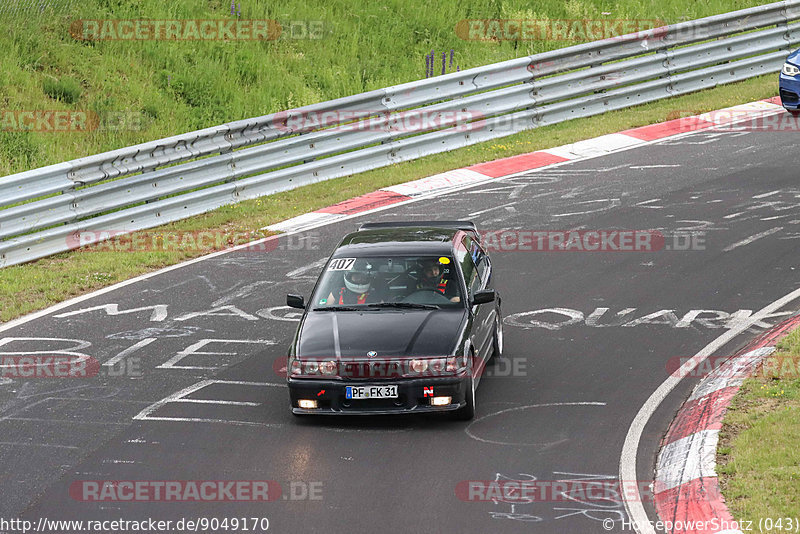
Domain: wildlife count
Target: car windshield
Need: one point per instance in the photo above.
(389, 282)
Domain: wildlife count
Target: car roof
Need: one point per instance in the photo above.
(400, 240)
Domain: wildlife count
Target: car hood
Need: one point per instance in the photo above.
(391, 334)
(794, 57)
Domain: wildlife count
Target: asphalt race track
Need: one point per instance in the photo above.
(557, 406)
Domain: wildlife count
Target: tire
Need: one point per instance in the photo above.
(467, 413)
(794, 112)
(497, 342)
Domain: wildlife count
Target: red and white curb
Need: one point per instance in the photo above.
(686, 489)
(482, 172)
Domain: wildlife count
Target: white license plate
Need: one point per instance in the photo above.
(370, 392)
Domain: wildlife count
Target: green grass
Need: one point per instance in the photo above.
(33, 286)
(179, 86)
(66, 90)
(759, 456)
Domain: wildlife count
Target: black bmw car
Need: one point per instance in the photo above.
(402, 320)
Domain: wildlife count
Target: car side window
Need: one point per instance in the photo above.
(482, 263)
(468, 268)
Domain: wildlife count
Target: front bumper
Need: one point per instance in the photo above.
(789, 90)
(414, 395)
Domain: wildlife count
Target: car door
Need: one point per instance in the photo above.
(475, 268)
(486, 311)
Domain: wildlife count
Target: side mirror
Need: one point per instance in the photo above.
(483, 296)
(295, 301)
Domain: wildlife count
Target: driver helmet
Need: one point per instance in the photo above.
(359, 278)
(427, 266)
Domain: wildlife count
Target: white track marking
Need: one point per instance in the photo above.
(732, 373)
(127, 352)
(203, 420)
(146, 414)
(443, 181)
(246, 383)
(312, 219)
(159, 311)
(732, 215)
(595, 146)
(476, 213)
(688, 458)
(24, 395)
(192, 350)
(240, 293)
(179, 397)
(653, 166)
(306, 268)
(627, 462)
(224, 402)
(526, 407)
(764, 195)
(612, 203)
(71, 422)
(748, 240)
(32, 444)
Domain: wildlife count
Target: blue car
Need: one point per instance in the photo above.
(789, 83)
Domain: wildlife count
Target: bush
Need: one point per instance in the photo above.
(65, 90)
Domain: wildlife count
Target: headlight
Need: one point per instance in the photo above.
(452, 365)
(419, 366)
(313, 368)
(297, 368)
(434, 366)
(328, 368)
(790, 70)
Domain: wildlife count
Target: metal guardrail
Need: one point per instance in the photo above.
(153, 183)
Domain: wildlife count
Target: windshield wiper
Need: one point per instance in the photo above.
(337, 308)
(405, 305)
